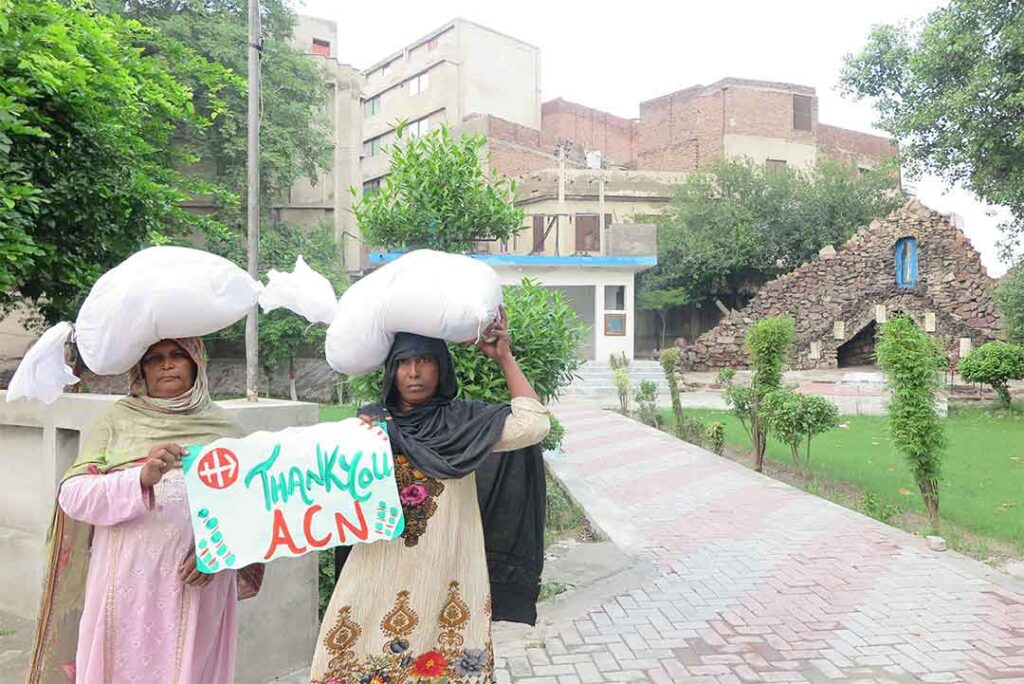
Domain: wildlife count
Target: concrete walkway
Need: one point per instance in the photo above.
(750, 580)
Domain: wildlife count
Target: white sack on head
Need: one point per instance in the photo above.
(159, 293)
(447, 296)
(43, 374)
(303, 291)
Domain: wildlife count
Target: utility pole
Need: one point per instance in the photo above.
(252, 340)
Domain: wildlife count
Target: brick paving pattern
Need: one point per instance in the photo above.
(758, 582)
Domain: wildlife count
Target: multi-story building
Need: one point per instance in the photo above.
(590, 182)
(452, 72)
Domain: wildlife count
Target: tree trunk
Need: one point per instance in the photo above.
(291, 379)
(930, 494)
(664, 325)
(759, 444)
(795, 450)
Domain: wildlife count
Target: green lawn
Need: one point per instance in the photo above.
(982, 479)
(332, 412)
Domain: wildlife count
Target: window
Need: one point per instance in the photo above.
(371, 148)
(906, 262)
(774, 165)
(538, 233)
(588, 233)
(321, 47)
(802, 112)
(371, 186)
(419, 84)
(418, 129)
(371, 107)
(615, 297)
(385, 70)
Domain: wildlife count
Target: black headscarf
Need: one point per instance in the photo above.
(448, 438)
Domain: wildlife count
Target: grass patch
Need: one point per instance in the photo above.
(565, 519)
(334, 412)
(549, 590)
(981, 479)
(7, 631)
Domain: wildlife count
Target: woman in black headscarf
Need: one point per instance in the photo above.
(471, 482)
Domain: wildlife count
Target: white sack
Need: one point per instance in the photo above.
(448, 296)
(159, 293)
(303, 291)
(43, 374)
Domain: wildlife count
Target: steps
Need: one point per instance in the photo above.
(595, 379)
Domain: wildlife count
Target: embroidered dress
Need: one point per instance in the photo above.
(419, 607)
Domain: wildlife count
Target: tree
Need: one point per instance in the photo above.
(437, 195)
(670, 366)
(795, 419)
(995, 364)
(295, 140)
(283, 334)
(89, 171)
(730, 229)
(911, 362)
(768, 342)
(661, 302)
(1009, 296)
(950, 89)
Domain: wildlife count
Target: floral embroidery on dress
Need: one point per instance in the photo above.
(417, 493)
(449, 663)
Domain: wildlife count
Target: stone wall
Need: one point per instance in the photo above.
(835, 297)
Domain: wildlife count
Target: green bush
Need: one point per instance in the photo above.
(995, 364)
(553, 441)
(646, 399)
(620, 378)
(714, 435)
(670, 365)
(768, 342)
(618, 361)
(545, 334)
(796, 419)
(912, 361)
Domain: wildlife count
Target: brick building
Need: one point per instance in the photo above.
(915, 262)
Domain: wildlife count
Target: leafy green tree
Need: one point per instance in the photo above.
(670, 366)
(295, 140)
(661, 301)
(995, 364)
(950, 89)
(912, 361)
(1009, 296)
(735, 226)
(283, 335)
(795, 419)
(437, 195)
(768, 342)
(89, 163)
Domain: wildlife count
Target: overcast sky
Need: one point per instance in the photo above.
(614, 58)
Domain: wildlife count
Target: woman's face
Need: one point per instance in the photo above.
(168, 370)
(416, 379)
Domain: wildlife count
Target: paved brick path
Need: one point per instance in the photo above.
(755, 581)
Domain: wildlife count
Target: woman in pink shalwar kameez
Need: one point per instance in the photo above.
(124, 602)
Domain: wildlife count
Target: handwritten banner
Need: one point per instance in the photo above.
(279, 494)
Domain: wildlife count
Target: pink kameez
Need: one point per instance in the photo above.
(140, 623)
